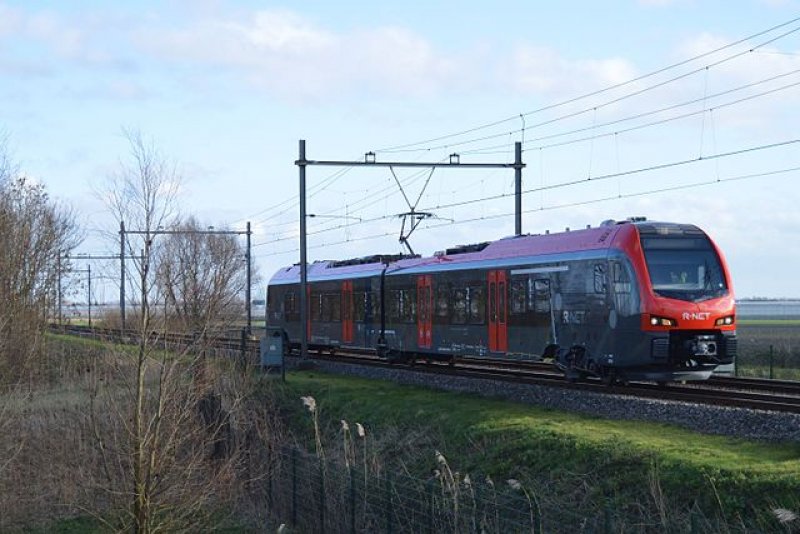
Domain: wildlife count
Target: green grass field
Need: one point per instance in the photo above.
(733, 478)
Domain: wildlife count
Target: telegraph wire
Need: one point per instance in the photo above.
(607, 103)
(630, 172)
(606, 89)
(560, 185)
(327, 182)
(652, 112)
(662, 121)
(556, 207)
(622, 196)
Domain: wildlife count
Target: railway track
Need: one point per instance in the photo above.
(742, 392)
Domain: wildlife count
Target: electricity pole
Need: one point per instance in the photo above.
(88, 271)
(122, 275)
(84, 256)
(370, 161)
(210, 231)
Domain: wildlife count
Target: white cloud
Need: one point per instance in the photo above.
(285, 31)
(543, 70)
(10, 20)
(657, 3)
(283, 52)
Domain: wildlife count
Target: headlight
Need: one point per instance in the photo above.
(725, 320)
(662, 321)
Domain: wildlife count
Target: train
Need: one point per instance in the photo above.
(626, 300)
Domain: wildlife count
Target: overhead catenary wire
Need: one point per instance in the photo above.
(556, 207)
(529, 142)
(609, 88)
(416, 176)
(487, 150)
(594, 108)
(570, 183)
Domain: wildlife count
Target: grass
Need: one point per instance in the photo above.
(575, 461)
(76, 525)
(561, 450)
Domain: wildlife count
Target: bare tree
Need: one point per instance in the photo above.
(164, 449)
(203, 277)
(34, 233)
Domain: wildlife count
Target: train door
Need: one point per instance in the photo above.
(498, 312)
(424, 311)
(309, 312)
(347, 312)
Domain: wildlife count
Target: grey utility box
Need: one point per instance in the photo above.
(272, 349)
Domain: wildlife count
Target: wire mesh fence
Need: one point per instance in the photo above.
(318, 495)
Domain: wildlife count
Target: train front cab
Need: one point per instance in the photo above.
(687, 304)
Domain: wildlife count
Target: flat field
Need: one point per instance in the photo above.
(762, 341)
(576, 465)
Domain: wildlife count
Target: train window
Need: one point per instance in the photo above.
(541, 289)
(290, 306)
(459, 298)
(330, 308)
(275, 307)
(622, 282)
(359, 305)
(409, 305)
(326, 308)
(519, 290)
(442, 308)
(393, 305)
(531, 294)
(477, 304)
(374, 305)
(315, 306)
(336, 306)
(600, 278)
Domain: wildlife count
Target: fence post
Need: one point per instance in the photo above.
(477, 510)
(321, 496)
(243, 349)
(771, 353)
(352, 500)
(388, 497)
(294, 486)
(432, 506)
(694, 525)
(270, 460)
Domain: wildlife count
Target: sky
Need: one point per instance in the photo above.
(676, 110)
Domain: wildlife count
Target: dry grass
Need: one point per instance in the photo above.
(65, 441)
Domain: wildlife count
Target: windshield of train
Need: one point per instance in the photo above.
(684, 268)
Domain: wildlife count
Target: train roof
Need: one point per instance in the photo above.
(515, 250)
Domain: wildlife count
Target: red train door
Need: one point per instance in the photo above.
(424, 308)
(347, 312)
(309, 313)
(498, 308)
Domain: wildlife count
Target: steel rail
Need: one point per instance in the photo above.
(742, 392)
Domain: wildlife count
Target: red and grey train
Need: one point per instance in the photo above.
(630, 300)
